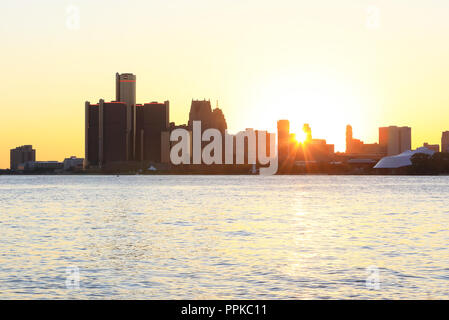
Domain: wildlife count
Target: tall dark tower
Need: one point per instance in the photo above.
(125, 91)
(445, 141)
(348, 139)
(283, 139)
(152, 121)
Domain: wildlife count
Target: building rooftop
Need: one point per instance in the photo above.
(401, 160)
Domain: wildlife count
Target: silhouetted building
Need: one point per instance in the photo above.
(358, 147)
(395, 139)
(125, 91)
(173, 126)
(91, 135)
(283, 127)
(114, 144)
(123, 131)
(445, 141)
(106, 133)
(316, 150)
(165, 147)
(349, 139)
(313, 150)
(293, 145)
(152, 122)
(433, 147)
(251, 136)
(266, 135)
(405, 138)
(21, 155)
(202, 111)
(244, 137)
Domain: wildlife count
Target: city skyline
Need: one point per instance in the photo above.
(392, 139)
(330, 71)
(126, 135)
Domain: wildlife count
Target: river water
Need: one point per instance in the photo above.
(224, 237)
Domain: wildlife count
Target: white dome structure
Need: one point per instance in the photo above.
(401, 160)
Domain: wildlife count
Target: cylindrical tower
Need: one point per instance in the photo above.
(126, 92)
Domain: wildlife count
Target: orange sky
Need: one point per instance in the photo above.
(327, 63)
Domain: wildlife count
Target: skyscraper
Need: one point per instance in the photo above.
(122, 131)
(125, 91)
(21, 155)
(91, 135)
(383, 137)
(348, 138)
(395, 139)
(106, 138)
(152, 121)
(283, 127)
(445, 141)
(201, 110)
(405, 136)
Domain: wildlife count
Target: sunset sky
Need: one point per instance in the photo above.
(323, 62)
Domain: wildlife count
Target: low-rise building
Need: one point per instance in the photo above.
(433, 147)
(401, 160)
(73, 163)
(41, 166)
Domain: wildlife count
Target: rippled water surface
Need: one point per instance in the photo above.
(224, 237)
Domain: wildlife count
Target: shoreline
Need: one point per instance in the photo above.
(216, 174)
